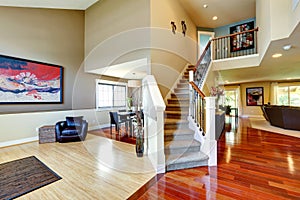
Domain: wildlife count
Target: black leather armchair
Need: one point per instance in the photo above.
(71, 130)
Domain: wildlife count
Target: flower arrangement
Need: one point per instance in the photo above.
(216, 91)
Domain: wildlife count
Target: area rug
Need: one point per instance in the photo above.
(22, 176)
(262, 124)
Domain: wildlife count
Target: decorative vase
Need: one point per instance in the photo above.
(139, 147)
(139, 133)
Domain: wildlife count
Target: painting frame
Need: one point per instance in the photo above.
(24, 81)
(255, 96)
(240, 42)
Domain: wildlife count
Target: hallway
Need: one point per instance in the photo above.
(252, 164)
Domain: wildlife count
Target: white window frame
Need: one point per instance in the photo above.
(288, 85)
(100, 82)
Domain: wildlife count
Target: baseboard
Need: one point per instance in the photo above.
(20, 141)
(91, 128)
(36, 138)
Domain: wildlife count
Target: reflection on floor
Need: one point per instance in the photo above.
(252, 164)
(122, 136)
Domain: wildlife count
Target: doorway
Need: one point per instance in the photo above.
(203, 39)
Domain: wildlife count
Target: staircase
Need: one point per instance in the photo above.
(181, 150)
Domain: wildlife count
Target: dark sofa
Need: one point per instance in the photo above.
(287, 117)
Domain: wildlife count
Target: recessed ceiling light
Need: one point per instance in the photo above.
(214, 18)
(276, 55)
(287, 47)
(205, 6)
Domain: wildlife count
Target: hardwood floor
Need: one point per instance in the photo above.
(97, 168)
(252, 164)
(122, 136)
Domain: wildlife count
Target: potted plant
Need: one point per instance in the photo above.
(228, 99)
(227, 109)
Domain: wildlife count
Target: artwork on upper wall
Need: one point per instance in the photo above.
(255, 96)
(242, 41)
(26, 81)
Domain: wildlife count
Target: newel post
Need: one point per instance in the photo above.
(211, 144)
(210, 117)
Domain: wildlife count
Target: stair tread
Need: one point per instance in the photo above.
(185, 157)
(182, 143)
(172, 121)
(176, 112)
(179, 98)
(179, 131)
(185, 92)
(177, 105)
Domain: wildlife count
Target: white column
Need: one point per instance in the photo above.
(191, 91)
(210, 117)
(210, 144)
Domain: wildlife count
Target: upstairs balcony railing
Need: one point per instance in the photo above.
(234, 45)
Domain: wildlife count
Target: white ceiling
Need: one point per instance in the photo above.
(58, 4)
(227, 11)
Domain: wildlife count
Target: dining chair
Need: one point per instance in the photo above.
(117, 120)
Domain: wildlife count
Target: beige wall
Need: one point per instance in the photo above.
(263, 14)
(108, 21)
(45, 35)
(164, 73)
(280, 23)
(165, 11)
(253, 110)
(170, 52)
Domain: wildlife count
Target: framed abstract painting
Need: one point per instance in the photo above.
(241, 39)
(27, 81)
(255, 96)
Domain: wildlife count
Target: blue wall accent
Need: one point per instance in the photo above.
(224, 30)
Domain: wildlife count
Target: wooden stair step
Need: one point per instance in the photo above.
(177, 107)
(176, 114)
(176, 100)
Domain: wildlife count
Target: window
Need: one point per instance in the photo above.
(288, 95)
(110, 94)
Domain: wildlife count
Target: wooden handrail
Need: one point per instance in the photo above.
(197, 89)
(233, 34)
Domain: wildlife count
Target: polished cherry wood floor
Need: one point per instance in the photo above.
(252, 164)
(122, 136)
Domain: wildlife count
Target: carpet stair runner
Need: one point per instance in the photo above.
(181, 150)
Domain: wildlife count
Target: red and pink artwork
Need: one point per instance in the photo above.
(25, 81)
